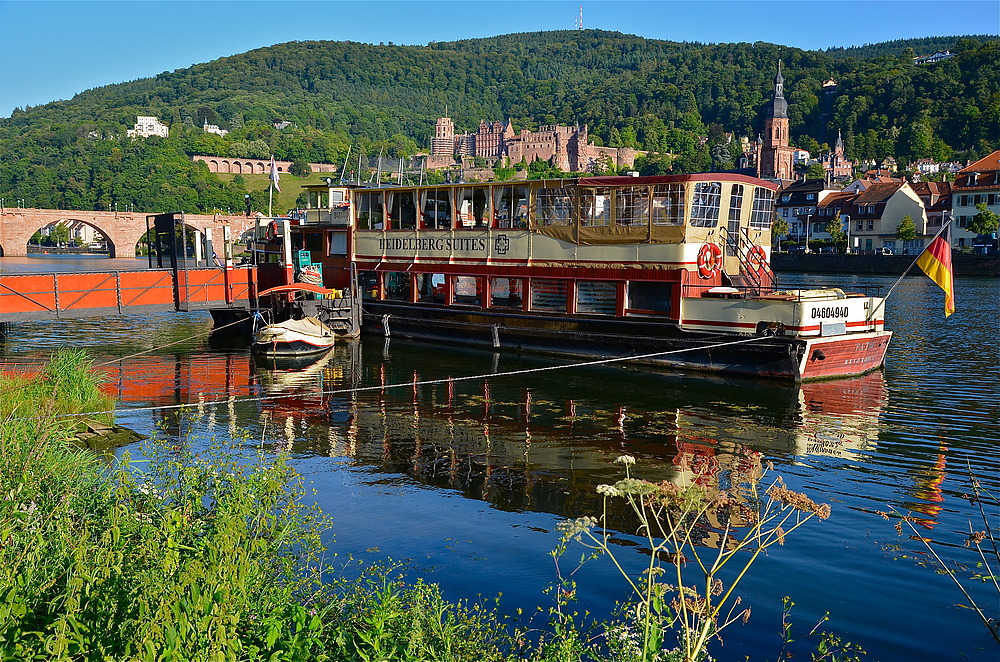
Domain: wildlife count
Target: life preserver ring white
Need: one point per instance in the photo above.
(709, 261)
(757, 259)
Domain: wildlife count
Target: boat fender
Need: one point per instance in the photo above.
(756, 259)
(709, 261)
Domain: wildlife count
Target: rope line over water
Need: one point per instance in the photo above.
(410, 384)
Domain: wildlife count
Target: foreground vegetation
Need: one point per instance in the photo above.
(187, 556)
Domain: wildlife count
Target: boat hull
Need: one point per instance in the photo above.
(643, 341)
(293, 338)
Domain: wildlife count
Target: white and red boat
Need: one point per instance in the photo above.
(671, 271)
(296, 335)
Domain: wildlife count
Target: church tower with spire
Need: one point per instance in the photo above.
(776, 157)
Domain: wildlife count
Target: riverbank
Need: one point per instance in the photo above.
(876, 265)
(206, 556)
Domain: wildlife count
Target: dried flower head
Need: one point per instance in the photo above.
(778, 492)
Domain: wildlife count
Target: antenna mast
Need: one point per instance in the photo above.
(579, 21)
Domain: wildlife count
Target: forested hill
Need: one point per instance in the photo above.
(655, 95)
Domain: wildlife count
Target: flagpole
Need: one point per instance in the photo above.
(880, 304)
(270, 199)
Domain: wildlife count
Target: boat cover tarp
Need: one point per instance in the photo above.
(297, 287)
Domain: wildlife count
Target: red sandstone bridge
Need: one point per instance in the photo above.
(184, 285)
(122, 230)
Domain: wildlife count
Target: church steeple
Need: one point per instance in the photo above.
(778, 107)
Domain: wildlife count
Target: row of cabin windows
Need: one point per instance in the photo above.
(509, 206)
(520, 294)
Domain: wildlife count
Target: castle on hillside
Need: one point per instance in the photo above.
(567, 147)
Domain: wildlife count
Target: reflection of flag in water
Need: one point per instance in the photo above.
(274, 175)
(936, 263)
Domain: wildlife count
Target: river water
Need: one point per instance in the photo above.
(465, 479)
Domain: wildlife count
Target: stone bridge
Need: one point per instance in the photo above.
(122, 230)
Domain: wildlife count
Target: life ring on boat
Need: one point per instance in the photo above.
(709, 261)
(757, 259)
(272, 230)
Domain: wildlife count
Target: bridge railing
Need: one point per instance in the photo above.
(57, 295)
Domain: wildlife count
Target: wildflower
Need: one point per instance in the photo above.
(608, 490)
(627, 460)
(574, 527)
(634, 486)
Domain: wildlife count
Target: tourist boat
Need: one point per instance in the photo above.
(667, 271)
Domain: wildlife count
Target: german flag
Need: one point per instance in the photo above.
(936, 263)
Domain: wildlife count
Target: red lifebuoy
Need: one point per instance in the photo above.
(709, 261)
(272, 230)
(757, 259)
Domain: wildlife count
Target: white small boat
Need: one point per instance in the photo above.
(293, 337)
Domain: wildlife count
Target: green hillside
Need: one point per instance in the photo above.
(654, 95)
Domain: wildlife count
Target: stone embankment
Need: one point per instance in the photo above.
(874, 265)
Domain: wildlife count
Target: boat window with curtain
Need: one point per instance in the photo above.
(431, 288)
(510, 206)
(468, 291)
(370, 215)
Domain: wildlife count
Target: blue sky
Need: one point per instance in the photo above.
(53, 49)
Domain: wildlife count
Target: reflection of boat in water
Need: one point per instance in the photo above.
(543, 441)
(293, 372)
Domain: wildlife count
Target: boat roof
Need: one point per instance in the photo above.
(296, 287)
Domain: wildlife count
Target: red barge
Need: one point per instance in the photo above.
(667, 271)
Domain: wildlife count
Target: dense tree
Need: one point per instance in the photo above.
(665, 97)
(907, 229)
(985, 221)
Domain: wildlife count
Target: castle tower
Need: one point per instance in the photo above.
(443, 143)
(776, 156)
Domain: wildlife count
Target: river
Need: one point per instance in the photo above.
(465, 479)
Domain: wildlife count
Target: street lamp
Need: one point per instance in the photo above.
(808, 230)
(846, 218)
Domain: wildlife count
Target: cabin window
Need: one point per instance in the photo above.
(370, 213)
(596, 297)
(555, 205)
(402, 206)
(646, 298)
(337, 242)
(431, 288)
(668, 204)
(507, 293)
(548, 295)
(397, 286)
(510, 206)
(595, 207)
(368, 281)
(763, 208)
(472, 207)
(468, 291)
(705, 204)
(735, 202)
(435, 204)
(337, 197)
(632, 206)
(315, 200)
